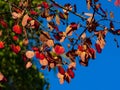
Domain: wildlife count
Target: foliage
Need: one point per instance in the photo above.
(53, 46)
(14, 74)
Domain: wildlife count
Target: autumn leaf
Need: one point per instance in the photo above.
(17, 29)
(111, 15)
(2, 44)
(30, 54)
(28, 65)
(61, 70)
(24, 20)
(50, 43)
(40, 56)
(3, 23)
(98, 48)
(1, 76)
(43, 62)
(57, 18)
(117, 3)
(59, 49)
(70, 73)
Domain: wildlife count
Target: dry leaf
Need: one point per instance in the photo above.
(24, 20)
(44, 36)
(83, 36)
(111, 15)
(88, 4)
(68, 30)
(57, 18)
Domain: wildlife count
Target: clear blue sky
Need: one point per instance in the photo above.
(103, 73)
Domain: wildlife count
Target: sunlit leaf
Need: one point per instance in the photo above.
(30, 54)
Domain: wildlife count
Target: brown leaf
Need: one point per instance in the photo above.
(57, 18)
(88, 4)
(50, 17)
(111, 15)
(44, 36)
(101, 42)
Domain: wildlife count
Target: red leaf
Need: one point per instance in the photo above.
(3, 23)
(80, 48)
(15, 48)
(92, 52)
(45, 4)
(17, 29)
(32, 12)
(40, 56)
(98, 48)
(61, 70)
(15, 38)
(117, 3)
(35, 48)
(74, 26)
(1, 45)
(70, 73)
(59, 49)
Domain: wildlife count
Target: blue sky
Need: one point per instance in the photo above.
(102, 73)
